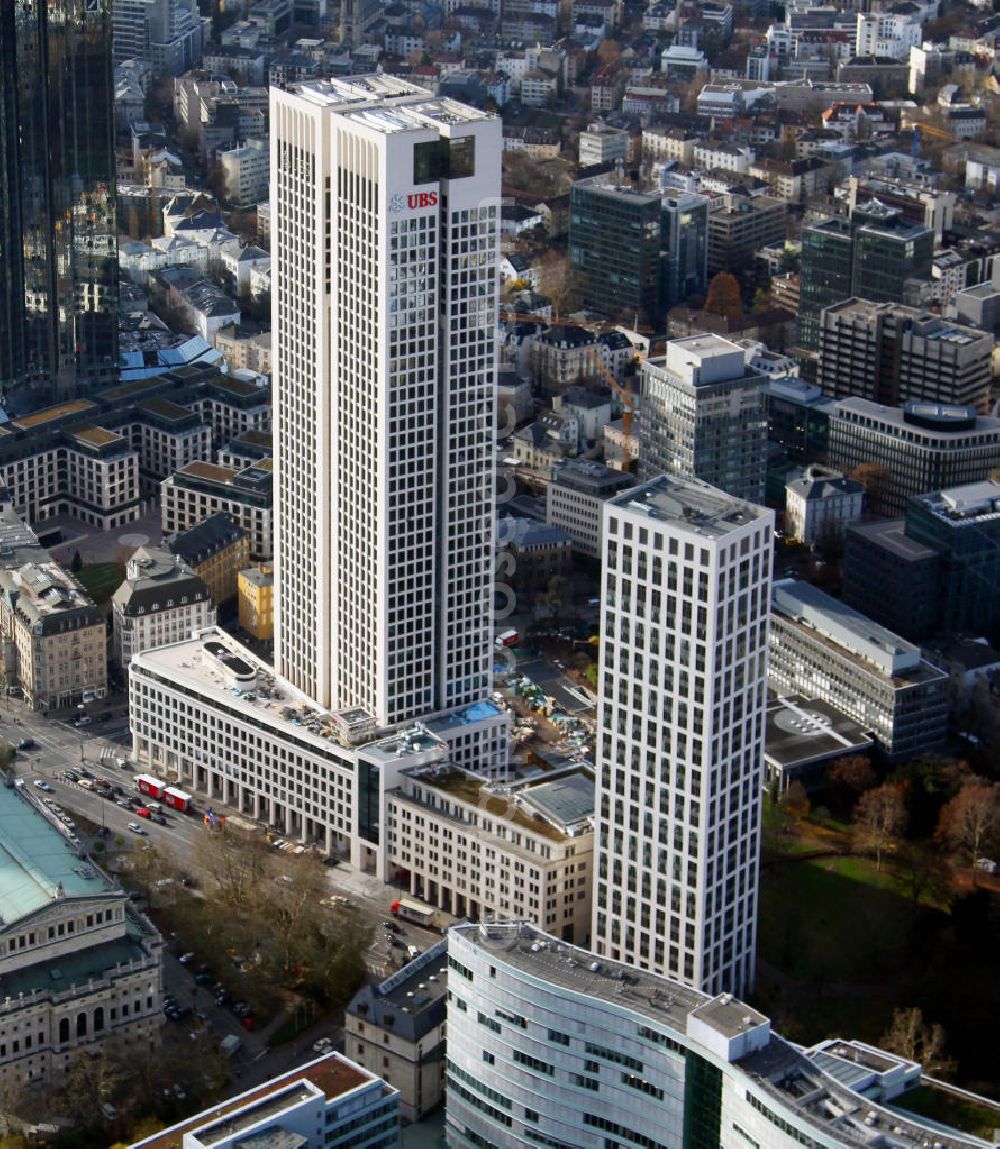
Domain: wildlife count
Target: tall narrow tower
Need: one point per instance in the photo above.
(58, 237)
(686, 582)
(385, 244)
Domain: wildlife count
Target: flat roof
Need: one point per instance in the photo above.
(691, 504)
(801, 730)
(211, 471)
(566, 800)
(892, 536)
(38, 863)
(51, 414)
(332, 1074)
(96, 436)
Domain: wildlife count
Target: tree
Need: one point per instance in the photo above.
(77, 564)
(910, 1037)
(920, 874)
(880, 817)
(724, 296)
(795, 801)
(761, 300)
(877, 482)
(970, 822)
(847, 779)
(609, 53)
(236, 863)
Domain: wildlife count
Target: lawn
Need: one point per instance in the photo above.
(100, 580)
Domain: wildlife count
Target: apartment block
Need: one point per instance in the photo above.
(216, 550)
(79, 963)
(739, 226)
(823, 649)
(495, 851)
(680, 742)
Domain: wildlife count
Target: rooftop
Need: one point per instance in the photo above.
(892, 536)
(333, 1075)
(801, 730)
(964, 506)
(386, 104)
(38, 863)
(54, 414)
(690, 504)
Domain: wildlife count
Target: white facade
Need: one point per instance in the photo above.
(886, 34)
(551, 1045)
(681, 716)
(819, 505)
(246, 171)
(385, 240)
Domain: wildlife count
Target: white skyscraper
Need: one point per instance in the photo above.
(686, 587)
(385, 243)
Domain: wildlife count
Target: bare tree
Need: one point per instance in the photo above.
(848, 778)
(909, 1036)
(970, 822)
(880, 817)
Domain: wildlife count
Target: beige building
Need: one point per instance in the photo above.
(669, 144)
(245, 352)
(77, 962)
(819, 505)
(216, 550)
(53, 639)
(577, 493)
(481, 850)
(397, 1030)
(200, 490)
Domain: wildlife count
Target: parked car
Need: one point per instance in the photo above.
(71, 776)
(185, 958)
(26, 744)
(160, 820)
(42, 784)
(136, 828)
(143, 812)
(322, 1046)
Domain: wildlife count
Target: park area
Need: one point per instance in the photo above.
(891, 941)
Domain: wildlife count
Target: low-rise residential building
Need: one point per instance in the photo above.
(823, 649)
(397, 1028)
(52, 638)
(819, 505)
(577, 492)
(483, 851)
(199, 490)
(256, 591)
(216, 550)
(331, 1101)
(79, 963)
(161, 600)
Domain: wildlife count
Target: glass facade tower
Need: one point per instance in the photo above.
(58, 245)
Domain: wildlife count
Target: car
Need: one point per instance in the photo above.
(248, 1023)
(42, 784)
(204, 978)
(188, 882)
(241, 1009)
(160, 820)
(322, 1045)
(103, 832)
(136, 828)
(83, 720)
(143, 812)
(223, 998)
(184, 959)
(125, 803)
(71, 776)
(26, 744)
(391, 926)
(413, 951)
(84, 772)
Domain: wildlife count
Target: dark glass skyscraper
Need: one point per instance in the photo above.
(58, 241)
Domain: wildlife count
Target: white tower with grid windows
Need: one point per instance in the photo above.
(683, 682)
(385, 245)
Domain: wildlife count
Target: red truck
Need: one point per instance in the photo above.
(147, 784)
(176, 799)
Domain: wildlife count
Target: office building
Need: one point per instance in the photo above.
(684, 246)
(58, 235)
(875, 256)
(161, 600)
(384, 375)
(487, 851)
(552, 1045)
(892, 354)
(819, 504)
(703, 417)
(328, 1103)
(577, 493)
(823, 649)
(739, 227)
(937, 571)
(79, 963)
(397, 1030)
(216, 550)
(170, 34)
(200, 490)
(680, 736)
(890, 251)
(825, 278)
(614, 241)
(52, 637)
(804, 737)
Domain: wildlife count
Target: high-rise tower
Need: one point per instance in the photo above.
(686, 582)
(385, 243)
(58, 238)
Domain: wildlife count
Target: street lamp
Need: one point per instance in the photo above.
(81, 709)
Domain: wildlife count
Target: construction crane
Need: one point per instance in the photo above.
(921, 129)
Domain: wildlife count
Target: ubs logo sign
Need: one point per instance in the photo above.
(399, 203)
